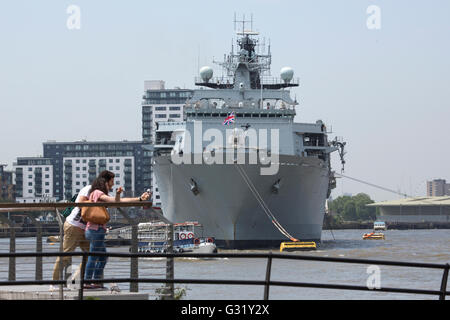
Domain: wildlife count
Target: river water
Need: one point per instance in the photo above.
(429, 246)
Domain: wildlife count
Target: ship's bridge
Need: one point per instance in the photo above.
(240, 113)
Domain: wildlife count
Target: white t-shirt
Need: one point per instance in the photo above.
(75, 216)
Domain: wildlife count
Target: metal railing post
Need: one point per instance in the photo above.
(38, 271)
(444, 282)
(170, 264)
(61, 249)
(82, 272)
(12, 249)
(268, 271)
(134, 263)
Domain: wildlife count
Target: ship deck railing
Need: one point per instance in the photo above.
(168, 278)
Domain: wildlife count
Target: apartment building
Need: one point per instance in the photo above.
(159, 105)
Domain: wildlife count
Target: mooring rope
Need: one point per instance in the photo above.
(263, 205)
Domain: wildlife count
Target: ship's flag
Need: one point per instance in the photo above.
(230, 119)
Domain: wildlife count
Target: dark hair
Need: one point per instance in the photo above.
(99, 184)
(107, 175)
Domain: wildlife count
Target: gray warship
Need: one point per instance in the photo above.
(238, 163)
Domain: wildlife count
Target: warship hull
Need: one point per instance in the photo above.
(230, 212)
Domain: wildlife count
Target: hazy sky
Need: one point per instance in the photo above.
(385, 91)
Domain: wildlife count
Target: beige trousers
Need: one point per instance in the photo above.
(73, 238)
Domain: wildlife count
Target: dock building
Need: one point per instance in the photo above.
(413, 210)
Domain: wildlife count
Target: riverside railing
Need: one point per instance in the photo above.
(8, 215)
(267, 283)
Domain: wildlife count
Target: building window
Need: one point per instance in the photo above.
(160, 108)
(174, 115)
(174, 108)
(160, 116)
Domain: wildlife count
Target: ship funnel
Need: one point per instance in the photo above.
(206, 73)
(287, 74)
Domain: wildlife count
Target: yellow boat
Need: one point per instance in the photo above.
(297, 245)
(373, 236)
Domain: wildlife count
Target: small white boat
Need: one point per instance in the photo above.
(379, 225)
(152, 238)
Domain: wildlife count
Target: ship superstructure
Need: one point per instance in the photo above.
(238, 163)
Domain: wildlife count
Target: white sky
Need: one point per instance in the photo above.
(386, 91)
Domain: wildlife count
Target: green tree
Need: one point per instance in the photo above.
(353, 208)
(350, 213)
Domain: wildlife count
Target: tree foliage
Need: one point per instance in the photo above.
(353, 208)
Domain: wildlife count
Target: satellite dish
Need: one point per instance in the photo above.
(206, 73)
(286, 74)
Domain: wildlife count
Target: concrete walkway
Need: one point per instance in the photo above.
(42, 292)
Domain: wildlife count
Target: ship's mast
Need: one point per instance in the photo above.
(256, 62)
(247, 67)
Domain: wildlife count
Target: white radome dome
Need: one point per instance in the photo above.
(206, 73)
(286, 74)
